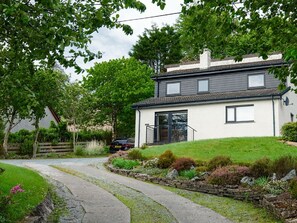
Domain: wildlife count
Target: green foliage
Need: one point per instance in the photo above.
(284, 165)
(228, 175)
(293, 188)
(231, 29)
(124, 163)
(118, 154)
(166, 159)
(261, 168)
(189, 174)
(261, 182)
(276, 187)
(114, 86)
(79, 151)
(183, 163)
(219, 161)
(135, 154)
(26, 147)
(289, 131)
(158, 47)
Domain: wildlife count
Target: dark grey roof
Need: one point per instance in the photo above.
(225, 68)
(210, 97)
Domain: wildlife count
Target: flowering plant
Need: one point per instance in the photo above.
(7, 199)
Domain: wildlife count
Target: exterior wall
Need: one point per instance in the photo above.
(237, 81)
(210, 120)
(286, 111)
(28, 124)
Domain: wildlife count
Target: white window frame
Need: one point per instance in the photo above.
(173, 93)
(257, 86)
(235, 109)
(199, 91)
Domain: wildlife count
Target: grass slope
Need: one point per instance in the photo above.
(239, 149)
(23, 203)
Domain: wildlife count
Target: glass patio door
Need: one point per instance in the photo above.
(171, 126)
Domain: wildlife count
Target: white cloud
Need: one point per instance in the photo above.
(115, 43)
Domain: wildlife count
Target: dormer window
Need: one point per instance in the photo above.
(256, 81)
(203, 86)
(173, 88)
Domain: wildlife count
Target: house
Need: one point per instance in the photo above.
(45, 122)
(215, 99)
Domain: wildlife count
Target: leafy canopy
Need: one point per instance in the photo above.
(157, 47)
(230, 28)
(115, 85)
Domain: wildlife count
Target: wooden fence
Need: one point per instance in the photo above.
(48, 147)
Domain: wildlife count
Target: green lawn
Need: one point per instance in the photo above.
(22, 203)
(239, 149)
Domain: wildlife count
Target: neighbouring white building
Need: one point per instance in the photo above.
(215, 99)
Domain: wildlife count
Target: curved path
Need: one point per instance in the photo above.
(97, 202)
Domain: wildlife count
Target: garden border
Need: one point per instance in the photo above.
(269, 202)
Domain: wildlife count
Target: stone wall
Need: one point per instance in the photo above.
(269, 202)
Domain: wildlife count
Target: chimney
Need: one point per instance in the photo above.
(205, 59)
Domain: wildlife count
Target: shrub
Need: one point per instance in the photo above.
(261, 168)
(124, 163)
(276, 187)
(289, 131)
(201, 169)
(261, 182)
(152, 163)
(293, 188)
(284, 165)
(219, 161)
(228, 175)
(183, 164)
(26, 148)
(79, 151)
(189, 174)
(166, 159)
(120, 153)
(135, 155)
(144, 146)
(94, 148)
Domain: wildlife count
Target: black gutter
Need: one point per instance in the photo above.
(209, 72)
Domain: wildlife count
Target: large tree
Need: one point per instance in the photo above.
(236, 28)
(157, 47)
(115, 86)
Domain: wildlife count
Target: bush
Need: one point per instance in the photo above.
(201, 169)
(118, 154)
(219, 161)
(94, 148)
(261, 168)
(261, 182)
(289, 131)
(79, 151)
(26, 148)
(293, 188)
(189, 174)
(166, 159)
(152, 163)
(228, 175)
(124, 163)
(284, 165)
(276, 187)
(183, 164)
(135, 155)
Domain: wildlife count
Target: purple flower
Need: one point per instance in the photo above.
(16, 189)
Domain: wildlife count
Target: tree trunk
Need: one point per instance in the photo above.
(7, 132)
(114, 125)
(35, 145)
(74, 135)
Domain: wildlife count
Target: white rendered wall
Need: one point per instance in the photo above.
(210, 120)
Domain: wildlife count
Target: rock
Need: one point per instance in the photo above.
(172, 174)
(289, 176)
(196, 179)
(248, 180)
(273, 178)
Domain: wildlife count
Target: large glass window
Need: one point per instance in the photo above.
(203, 85)
(173, 88)
(240, 113)
(256, 81)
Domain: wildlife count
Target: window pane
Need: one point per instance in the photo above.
(173, 88)
(256, 80)
(245, 113)
(202, 85)
(230, 114)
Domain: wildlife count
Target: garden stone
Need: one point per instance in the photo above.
(273, 178)
(172, 174)
(196, 179)
(291, 175)
(248, 180)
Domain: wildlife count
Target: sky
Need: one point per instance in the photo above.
(115, 43)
